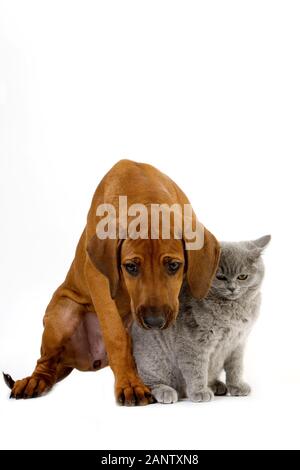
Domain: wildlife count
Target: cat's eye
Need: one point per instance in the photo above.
(132, 268)
(242, 277)
(221, 277)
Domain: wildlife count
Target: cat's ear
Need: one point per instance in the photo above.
(262, 242)
(256, 247)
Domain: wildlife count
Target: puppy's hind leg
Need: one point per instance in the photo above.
(62, 318)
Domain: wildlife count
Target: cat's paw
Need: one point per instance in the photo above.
(164, 394)
(219, 388)
(239, 390)
(204, 395)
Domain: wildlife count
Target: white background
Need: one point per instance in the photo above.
(208, 92)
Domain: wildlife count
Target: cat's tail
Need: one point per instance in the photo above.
(8, 380)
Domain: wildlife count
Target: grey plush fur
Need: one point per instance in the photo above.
(186, 360)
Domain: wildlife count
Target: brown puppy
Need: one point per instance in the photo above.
(112, 280)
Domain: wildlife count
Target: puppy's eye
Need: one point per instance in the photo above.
(242, 277)
(221, 277)
(173, 266)
(132, 268)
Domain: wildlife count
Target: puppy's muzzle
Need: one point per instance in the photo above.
(153, 317)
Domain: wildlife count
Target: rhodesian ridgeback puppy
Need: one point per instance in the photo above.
(114, 281)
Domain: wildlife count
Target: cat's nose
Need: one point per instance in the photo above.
(232, 289)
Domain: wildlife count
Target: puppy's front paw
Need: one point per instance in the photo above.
(204, 395)
(239, 390)
(133, 394)
(164, 394)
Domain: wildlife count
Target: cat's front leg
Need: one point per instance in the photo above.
(195, 372)
(234, 374)
(164, 393)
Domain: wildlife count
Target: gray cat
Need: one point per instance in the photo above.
(186, 360)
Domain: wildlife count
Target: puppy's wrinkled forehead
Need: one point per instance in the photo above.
(153, 249)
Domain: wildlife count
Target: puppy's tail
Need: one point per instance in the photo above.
(8, 380)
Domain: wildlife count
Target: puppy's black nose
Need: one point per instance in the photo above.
(154, 321)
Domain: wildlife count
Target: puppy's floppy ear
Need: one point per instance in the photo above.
(105, 256)
(202, 265)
